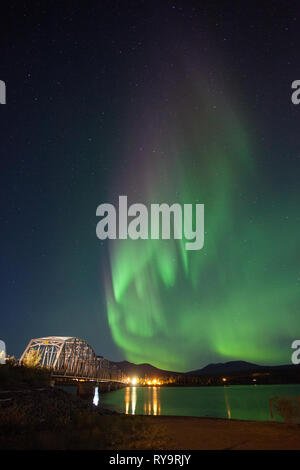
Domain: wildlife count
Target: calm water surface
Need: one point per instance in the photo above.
(233, 402)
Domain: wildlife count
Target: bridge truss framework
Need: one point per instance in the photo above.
(72, 357)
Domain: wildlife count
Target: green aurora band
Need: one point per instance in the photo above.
(236, 299)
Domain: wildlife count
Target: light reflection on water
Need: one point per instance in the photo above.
(227, 403)
(251, 402)
(96, 397)
(151, 403)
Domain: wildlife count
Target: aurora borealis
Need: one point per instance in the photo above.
(166, 305)
(180, 102)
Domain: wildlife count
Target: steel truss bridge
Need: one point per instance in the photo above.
(74, 359)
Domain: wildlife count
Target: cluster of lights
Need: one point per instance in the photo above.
(136, 381)
(153, 382)
(132, 381)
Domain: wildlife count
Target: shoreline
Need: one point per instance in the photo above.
(199, 433)
(49, 419)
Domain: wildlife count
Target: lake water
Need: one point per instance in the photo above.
(233, 402)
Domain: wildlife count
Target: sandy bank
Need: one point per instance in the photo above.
(212, 433)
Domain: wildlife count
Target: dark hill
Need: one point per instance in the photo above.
(143, 370)
(218, 369)
(226, 367)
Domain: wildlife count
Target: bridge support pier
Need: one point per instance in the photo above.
(86, 390)
(110, 386)
(104, 387)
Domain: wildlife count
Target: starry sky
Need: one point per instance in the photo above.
(163, 101)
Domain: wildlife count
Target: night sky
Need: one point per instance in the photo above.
(163, 101)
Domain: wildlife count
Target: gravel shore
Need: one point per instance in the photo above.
(42, 405)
